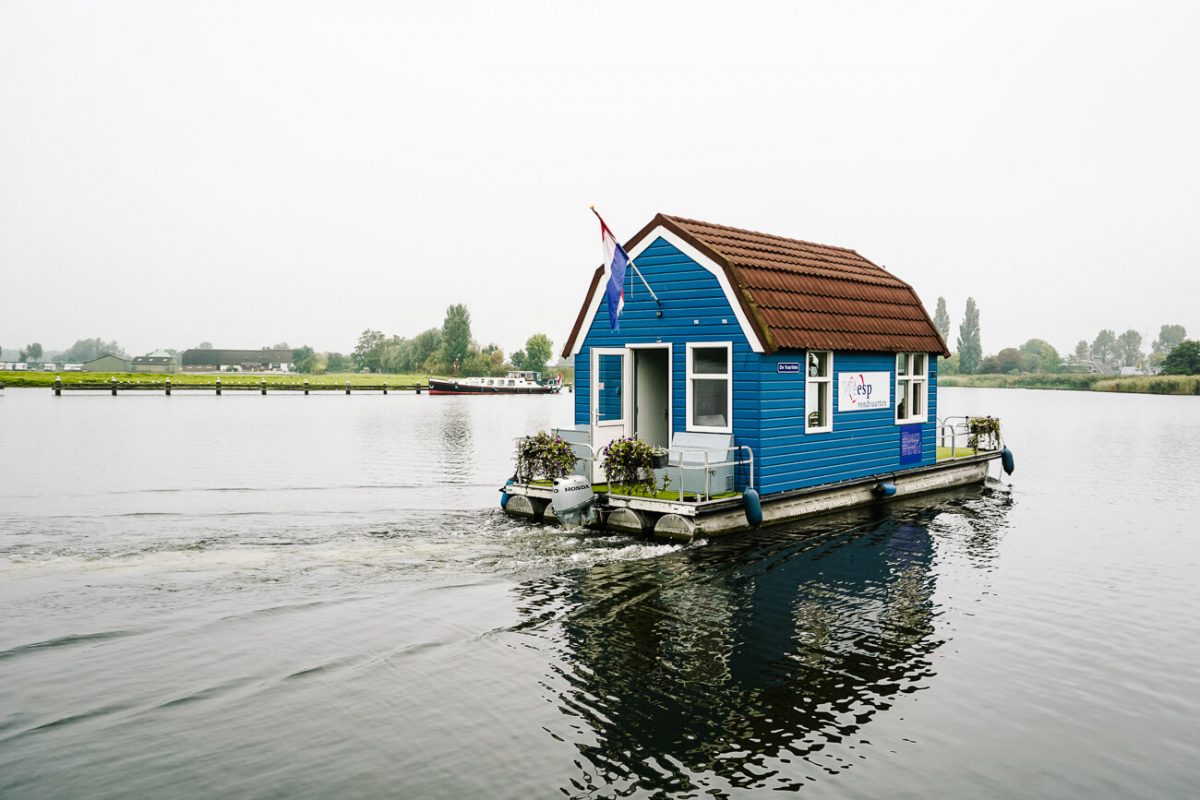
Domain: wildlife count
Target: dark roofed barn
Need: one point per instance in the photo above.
(264, 360)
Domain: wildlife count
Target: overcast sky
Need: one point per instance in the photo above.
(253, 172)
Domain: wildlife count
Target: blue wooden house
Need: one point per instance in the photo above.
(812, 366)
(821, 362)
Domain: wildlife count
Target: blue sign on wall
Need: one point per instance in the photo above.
(910, 443)
(788, 366)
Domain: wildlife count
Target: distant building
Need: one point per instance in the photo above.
(237, 360)
(158, 361)
(106, 363)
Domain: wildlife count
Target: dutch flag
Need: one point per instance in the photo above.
(616, 259)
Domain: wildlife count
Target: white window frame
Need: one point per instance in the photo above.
(825, 385)
(903, 403)
(728, 378)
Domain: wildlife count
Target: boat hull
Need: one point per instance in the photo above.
(672, 519)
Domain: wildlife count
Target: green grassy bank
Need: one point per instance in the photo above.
(1140, 384)
(46, 379)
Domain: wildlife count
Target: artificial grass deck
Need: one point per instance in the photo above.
(943, 453)
(661, 494)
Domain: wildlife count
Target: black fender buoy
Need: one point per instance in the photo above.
(753, 507)
(1006, 461)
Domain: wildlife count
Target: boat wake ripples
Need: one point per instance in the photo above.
(314, 599)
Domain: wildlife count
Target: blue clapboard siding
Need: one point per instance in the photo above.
(862, 443)
(768, 406)
(929, 443)
(695, 310)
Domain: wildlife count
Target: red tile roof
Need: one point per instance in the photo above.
(801, 295)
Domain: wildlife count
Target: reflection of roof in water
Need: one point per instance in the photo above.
(719, 657)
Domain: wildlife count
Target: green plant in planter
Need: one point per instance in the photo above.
(659, 456)
(985, 433)
(543, 456)
(628, 463)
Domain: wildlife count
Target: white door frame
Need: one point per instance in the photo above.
(669, 347)
(601, 433)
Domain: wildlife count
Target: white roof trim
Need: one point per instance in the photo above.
(662, 232)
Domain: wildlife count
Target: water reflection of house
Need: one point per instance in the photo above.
(264, 360)
(717, 660)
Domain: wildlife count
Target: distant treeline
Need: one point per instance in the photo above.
(81, 352)
(446, 350)
(1107, 352)
(1141, 384)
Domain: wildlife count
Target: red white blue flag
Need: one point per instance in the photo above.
(616, 259)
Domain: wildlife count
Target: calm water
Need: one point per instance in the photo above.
(317, 597)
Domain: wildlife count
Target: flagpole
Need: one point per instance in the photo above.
(636, 271)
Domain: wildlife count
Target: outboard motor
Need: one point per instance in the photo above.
(574, 502)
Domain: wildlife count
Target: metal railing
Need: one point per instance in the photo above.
(954, 429)
(708, 466)
(592, 459)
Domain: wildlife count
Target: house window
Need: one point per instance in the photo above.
(710, 388)
(818, 392)
(610, 370)
(912, 382)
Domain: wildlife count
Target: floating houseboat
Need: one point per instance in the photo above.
(782, 377)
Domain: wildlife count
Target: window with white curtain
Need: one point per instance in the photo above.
(818, 392)
(710, 388)
(912, 387)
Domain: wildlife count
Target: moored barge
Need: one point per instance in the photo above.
(516, 382)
